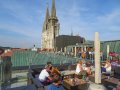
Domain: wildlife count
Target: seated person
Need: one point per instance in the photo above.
(80, 70)
(107, 67)
(55, 71)
(56, 85)
(44, 76)
(88, 69)
(114, 63)
(79, 67)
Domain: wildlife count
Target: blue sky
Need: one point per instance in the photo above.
(21, 21)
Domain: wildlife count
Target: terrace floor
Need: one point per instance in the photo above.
(18, 82)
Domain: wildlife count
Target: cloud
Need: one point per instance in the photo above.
(23, 12)
(8, 41)
(106, 24)
(83, 17)
(110, 21)
(110, 18)
(70, 17)
(27, 31)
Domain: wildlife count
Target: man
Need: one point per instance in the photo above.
(44, 76)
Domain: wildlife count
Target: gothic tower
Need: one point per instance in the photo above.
(50, 28)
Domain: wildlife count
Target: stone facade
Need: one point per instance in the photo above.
(50, 29)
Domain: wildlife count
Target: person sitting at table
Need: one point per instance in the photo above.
(54, 71)
(80, 71)
(44, 76)
(88, 69)
(107, 67)
(56, 85)
(114, 63)
(79, 67)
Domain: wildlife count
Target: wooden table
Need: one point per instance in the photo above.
(79, 84)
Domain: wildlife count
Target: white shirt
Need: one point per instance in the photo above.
(90, 53)
(108, 69)
(43, 75)
(78, 69)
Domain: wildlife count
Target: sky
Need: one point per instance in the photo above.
(21, 21)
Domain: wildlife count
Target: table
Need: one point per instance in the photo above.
(67, 72)
(75, 84)
(105, 81)
(111, 81)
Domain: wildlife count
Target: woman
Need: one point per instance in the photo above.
(88, 68)
(79, 67)
(107, 67)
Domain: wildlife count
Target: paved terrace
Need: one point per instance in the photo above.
(18, 82)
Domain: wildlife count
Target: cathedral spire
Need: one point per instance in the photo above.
(47, 14)
(53, 11)
(46, 18)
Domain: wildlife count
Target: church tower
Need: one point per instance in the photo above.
(50, 28)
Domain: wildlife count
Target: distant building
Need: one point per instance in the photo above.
(50, 29)
(63, 41)
(34, 48)
(50, 33)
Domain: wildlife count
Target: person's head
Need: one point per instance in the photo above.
(83, 61)
(118, 86)
(79, 62)
(49, 63)
(88, 64)
(107, 61)
(48, 67)
(57, 79)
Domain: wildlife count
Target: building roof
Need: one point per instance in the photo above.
(7, 53)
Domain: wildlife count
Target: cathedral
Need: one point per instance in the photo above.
(50, 29)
